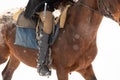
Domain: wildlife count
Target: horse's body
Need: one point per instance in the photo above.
(74, 49)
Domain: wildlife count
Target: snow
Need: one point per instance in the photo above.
(11, 4)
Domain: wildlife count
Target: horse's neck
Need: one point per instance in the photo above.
(83, 18)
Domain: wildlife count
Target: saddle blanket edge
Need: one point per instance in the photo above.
(26, 37)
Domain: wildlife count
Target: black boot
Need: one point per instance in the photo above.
(42, 67)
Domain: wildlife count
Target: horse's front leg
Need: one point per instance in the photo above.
(11, 66)
(62, 73)
(88, 73)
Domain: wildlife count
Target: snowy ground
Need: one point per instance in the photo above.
(107, 62)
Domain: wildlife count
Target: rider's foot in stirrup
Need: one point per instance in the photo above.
(43, 70)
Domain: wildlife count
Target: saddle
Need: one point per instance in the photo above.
(26, 28)
(29, 23)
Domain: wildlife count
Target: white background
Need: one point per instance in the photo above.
(107, 62)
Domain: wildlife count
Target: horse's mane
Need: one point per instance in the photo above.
(108, 7)
(111, 5)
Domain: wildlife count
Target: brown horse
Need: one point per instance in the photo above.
(75, 47)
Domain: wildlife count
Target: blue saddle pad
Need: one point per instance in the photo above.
(26, 37)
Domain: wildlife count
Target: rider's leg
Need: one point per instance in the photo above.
(43, 69)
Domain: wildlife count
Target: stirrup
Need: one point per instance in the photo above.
(43, 70)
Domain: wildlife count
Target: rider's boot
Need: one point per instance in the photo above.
(42, 66)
